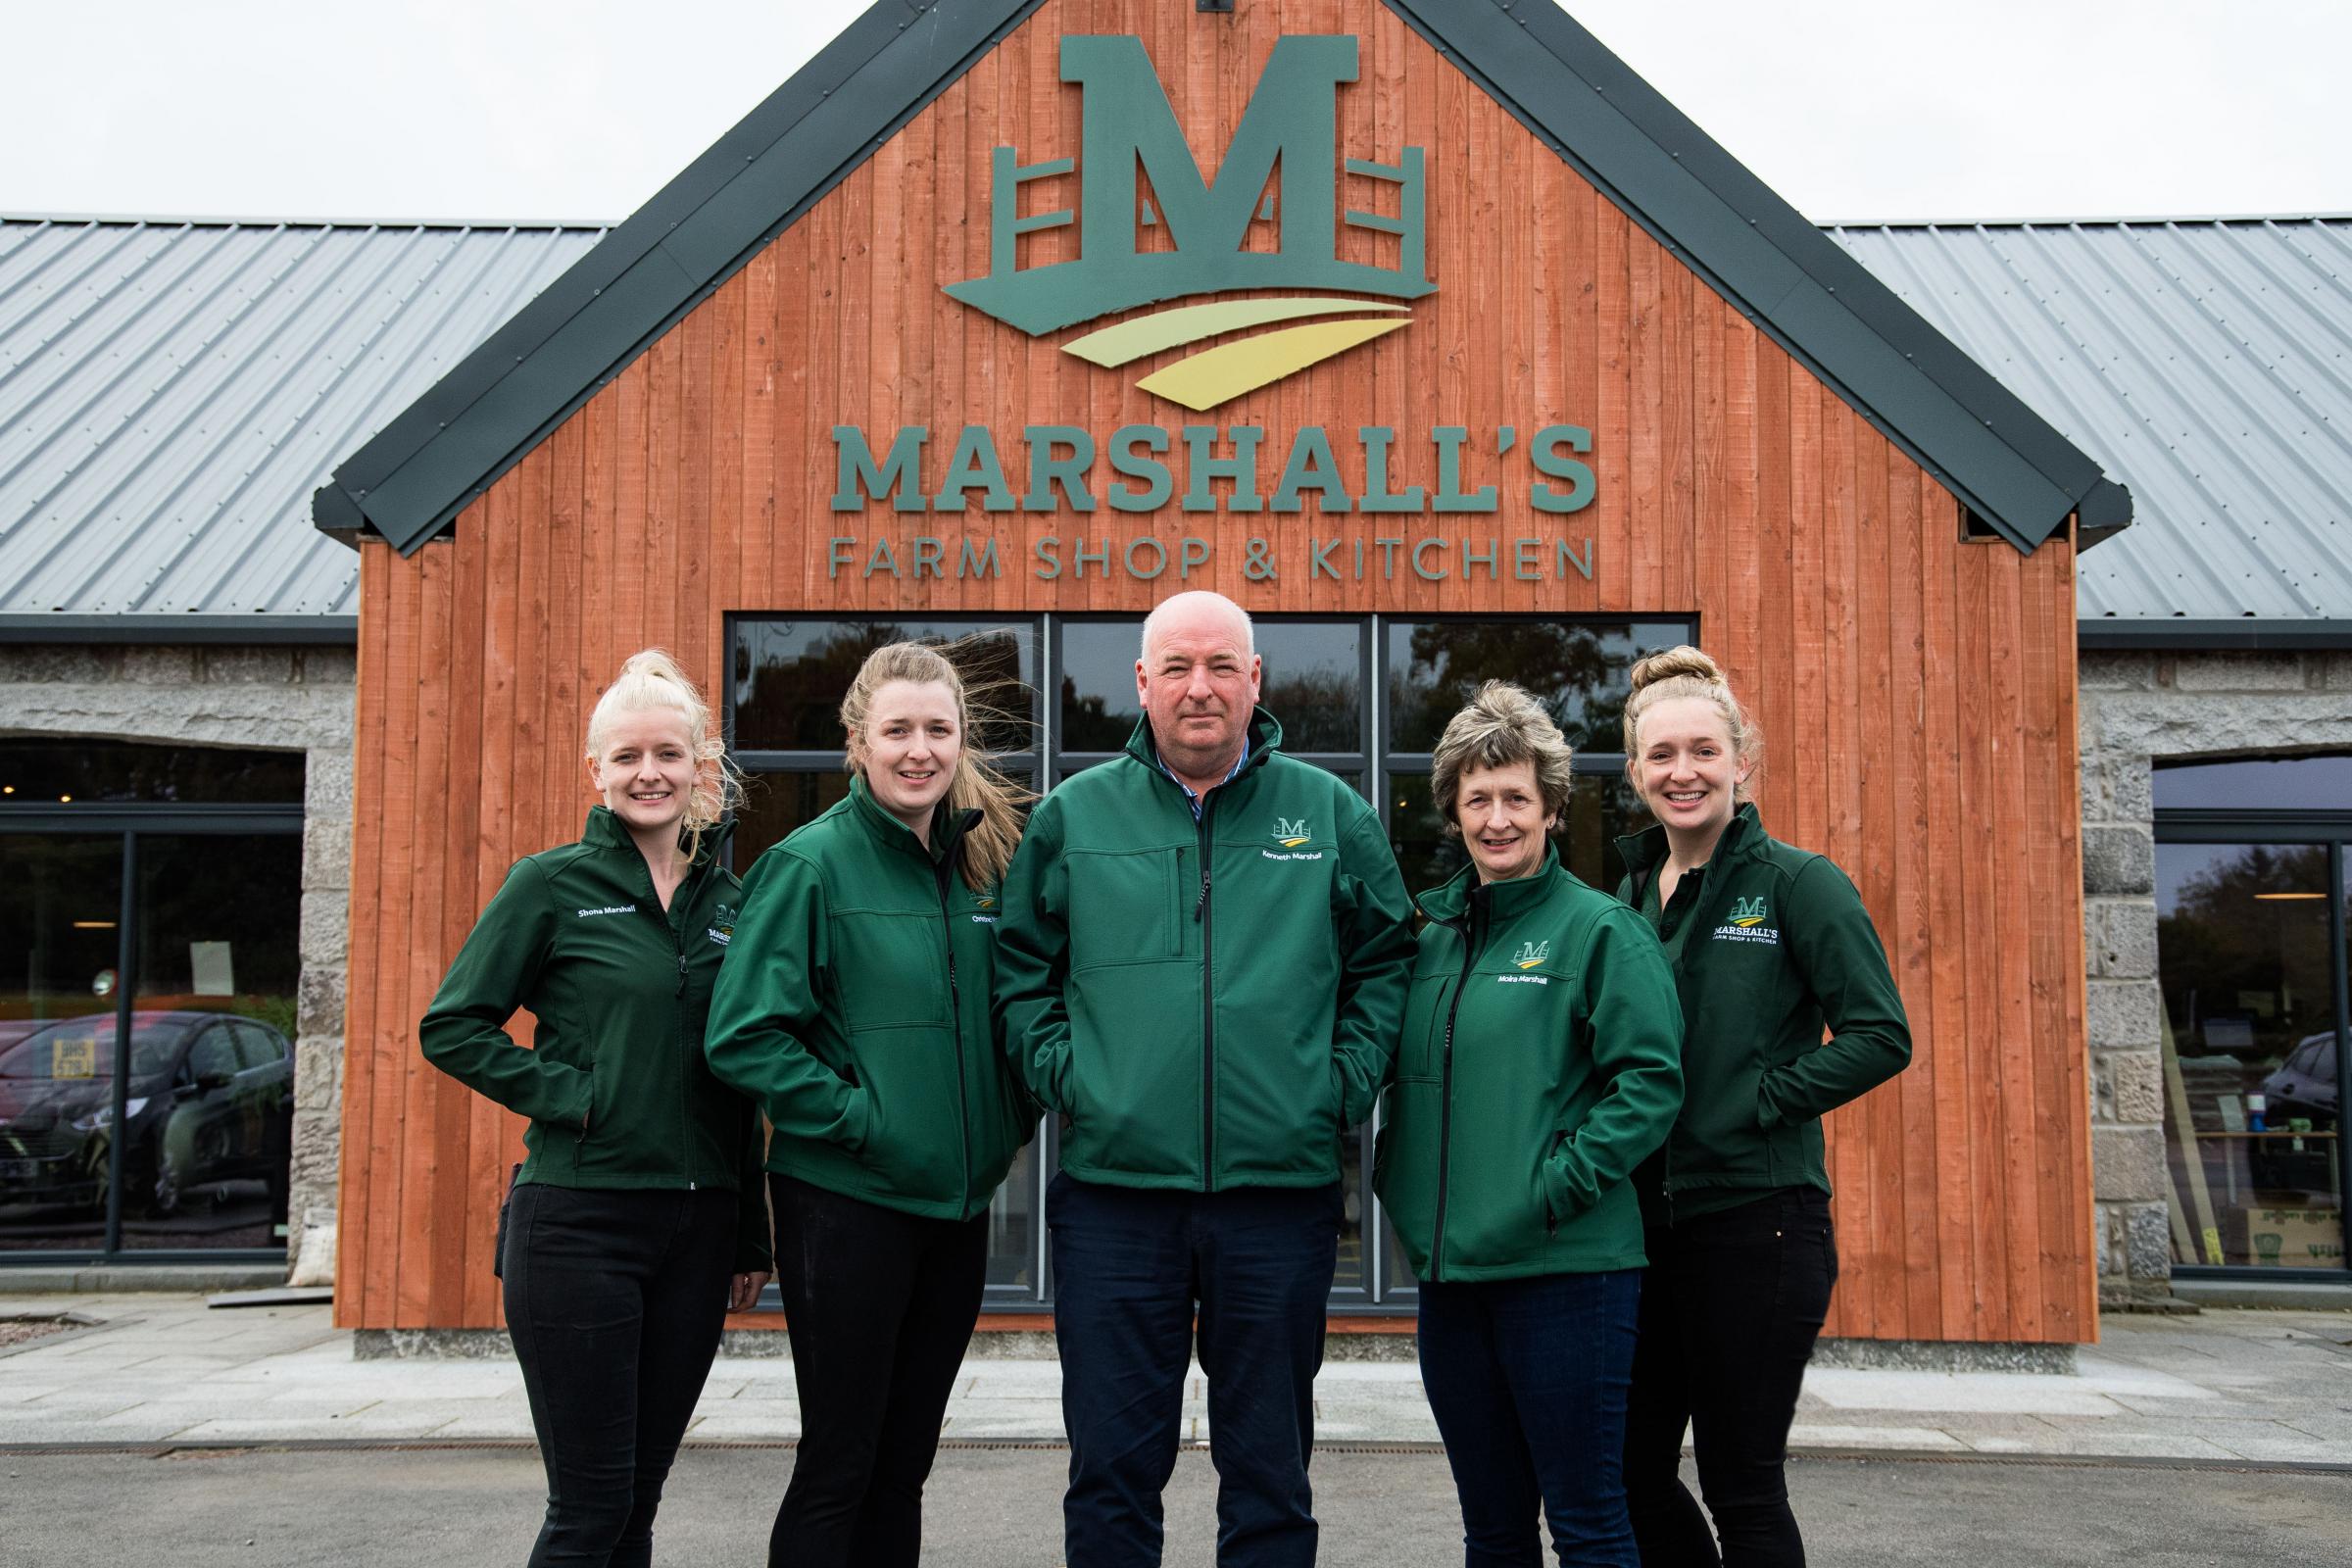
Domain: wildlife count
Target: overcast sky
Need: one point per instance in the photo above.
(583, 108)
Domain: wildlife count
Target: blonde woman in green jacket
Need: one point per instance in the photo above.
(1538, 1068)
(855, 1008)
(1771, 947)
(638, 1220)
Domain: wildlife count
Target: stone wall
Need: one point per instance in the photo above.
(2140, 708)
(292, 699)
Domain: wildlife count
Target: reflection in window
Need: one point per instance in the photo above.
(1578, 670)
(2251, 1060)
(790, 677)
(42, 772)
(2259, 784)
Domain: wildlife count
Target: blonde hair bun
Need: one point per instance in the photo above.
(1684, 662)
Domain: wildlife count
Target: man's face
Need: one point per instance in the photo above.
(1199, 684)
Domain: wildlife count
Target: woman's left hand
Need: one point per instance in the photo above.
(743, 1290)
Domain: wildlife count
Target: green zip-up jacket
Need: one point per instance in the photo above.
(1210, 1004)
(1771, 945)
(615, 1084)
(1539, 1064)
(854, 1007)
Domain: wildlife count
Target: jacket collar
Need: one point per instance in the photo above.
(1504, 901)
(947, 827)
(1644, 852)
(1265, 738)
(604, 831)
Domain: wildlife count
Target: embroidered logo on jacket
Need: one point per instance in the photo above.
(721, 928)
(1292, 832)
(1531, 953)
(1747, 923)
(1748, 911)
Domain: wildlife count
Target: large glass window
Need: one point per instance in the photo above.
(146, 1056)
(2252, 905)
(1361, 696)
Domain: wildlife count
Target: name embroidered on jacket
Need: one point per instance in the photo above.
(610, 909)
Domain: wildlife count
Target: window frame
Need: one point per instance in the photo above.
(2205, 825)
(130, 821)
(1386, 1288)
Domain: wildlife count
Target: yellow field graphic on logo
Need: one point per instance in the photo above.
(1201, 381)
(1753, 920)
(1530, 963)
(1292, 843)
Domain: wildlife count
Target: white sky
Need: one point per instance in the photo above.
(584, 108)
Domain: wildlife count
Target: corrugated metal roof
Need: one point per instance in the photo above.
(172, 392)
(2207, 364)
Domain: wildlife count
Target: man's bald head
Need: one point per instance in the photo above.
(1198, 611)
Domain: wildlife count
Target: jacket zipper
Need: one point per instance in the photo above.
(941, 871)
(683, 902)
(1208, 1015)
(1472, 930)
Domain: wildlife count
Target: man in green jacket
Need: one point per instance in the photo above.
(1201, 968)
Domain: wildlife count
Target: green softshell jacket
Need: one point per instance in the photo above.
(1209, 1004)
(1539, 1064)
(1780, 946)
(854, 1008)
(615, 1084)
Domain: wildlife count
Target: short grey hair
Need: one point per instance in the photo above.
(1502, 725)
(1154, 621)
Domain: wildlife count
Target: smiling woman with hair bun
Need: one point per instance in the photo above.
(1770, 947)
(639, 1220)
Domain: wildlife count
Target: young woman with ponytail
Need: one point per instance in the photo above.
(855, 1010)
(639, 1220)
(1770, 947)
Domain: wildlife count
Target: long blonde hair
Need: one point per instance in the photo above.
(1685, 671)
(975, 785)
(650, 679)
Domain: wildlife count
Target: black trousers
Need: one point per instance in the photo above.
(1733, 1303)
(880, 1306)
(614, 1302)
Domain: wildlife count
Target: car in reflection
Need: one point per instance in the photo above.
(2302, 1088)
(210, 1100)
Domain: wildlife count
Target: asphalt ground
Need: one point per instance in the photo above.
(993, 1508)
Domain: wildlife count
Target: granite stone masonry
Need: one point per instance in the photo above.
(294, 699)
(2140, 708)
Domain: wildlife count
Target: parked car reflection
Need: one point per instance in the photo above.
(2302, 1089)
(209, 1100)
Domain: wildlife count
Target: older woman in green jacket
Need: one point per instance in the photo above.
(1538, 1068)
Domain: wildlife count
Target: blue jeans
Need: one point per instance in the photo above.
(1528, 1381)
(1130, 1267)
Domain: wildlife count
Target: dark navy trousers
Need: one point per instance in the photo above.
(1528, 1381)
(1131, 1269)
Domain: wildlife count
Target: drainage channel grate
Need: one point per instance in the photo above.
(1362, 1448)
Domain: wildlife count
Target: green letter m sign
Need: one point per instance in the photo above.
(1291, 124)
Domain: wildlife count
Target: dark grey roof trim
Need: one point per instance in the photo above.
(412, 480)
(2000, 457)
(1993, 451)
(212, 630)
(2246, 632)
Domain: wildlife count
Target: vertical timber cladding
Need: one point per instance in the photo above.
(1917, 691)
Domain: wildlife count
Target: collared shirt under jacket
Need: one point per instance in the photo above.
(615, 1085)
(1210, 1004)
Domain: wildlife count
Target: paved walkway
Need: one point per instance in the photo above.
(2261, 1386)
